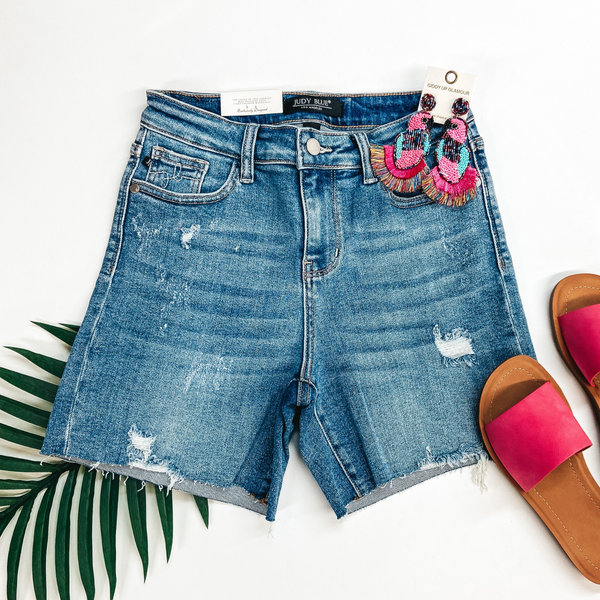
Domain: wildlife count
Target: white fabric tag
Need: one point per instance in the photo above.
(262, 102)
(446, 86)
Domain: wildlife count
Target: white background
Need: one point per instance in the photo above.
(73, 77)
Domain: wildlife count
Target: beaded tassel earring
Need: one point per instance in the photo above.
(452, 182)
(401, 167)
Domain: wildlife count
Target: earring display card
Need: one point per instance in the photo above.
(447, 85)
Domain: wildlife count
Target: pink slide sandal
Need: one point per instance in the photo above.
(532, 436)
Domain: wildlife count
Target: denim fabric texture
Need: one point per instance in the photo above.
(251, 287)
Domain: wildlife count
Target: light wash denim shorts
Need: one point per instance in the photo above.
(252, 287)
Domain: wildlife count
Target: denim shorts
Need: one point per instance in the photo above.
(253, 286)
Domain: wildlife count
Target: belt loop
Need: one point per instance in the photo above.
(247, 156)
(365, 156)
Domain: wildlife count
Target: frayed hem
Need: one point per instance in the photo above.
(231, 495)
(478, 458)
(479, 473)
(452, 459)
(428, 468)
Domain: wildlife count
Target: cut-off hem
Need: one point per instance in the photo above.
(402, 483)
(231, 495)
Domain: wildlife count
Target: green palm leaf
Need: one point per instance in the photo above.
(31, 414)
(164, 501)
(40, 544)
(13, 463)
(14, 551)
(63, 535)
(136, 503)
(202, 504)
(11, 500)
(31, 385)
(15, 502)
(66, 336)
(50, 365)
(23, 438)
(109, 505)
(16, 484)
(84, 532)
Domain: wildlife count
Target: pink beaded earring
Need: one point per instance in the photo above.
(453, 181)
(401, 167)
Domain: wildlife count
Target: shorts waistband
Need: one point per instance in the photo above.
(278, 138)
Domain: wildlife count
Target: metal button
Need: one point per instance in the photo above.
(313, 146)
(134, 188)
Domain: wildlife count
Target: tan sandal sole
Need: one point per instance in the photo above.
(568, 498)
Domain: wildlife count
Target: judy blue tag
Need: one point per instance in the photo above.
(332, 107)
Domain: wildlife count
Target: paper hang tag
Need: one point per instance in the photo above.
(242, 104)
(446, 85)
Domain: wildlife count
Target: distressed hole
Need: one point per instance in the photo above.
(140, 446)
(455, 347)
(187, 235)
(139, 452)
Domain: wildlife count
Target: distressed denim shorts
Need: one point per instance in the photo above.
(257, 282)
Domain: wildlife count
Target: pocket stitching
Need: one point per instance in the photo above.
(158, 152)
(178, 198)
(176, 161)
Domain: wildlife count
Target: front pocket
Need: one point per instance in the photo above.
(179, 172)
(144, 187)
(176, 172)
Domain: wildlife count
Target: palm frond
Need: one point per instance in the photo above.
(33, 479)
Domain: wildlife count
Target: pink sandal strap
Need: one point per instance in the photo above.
(581, 331)
(536, 435)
